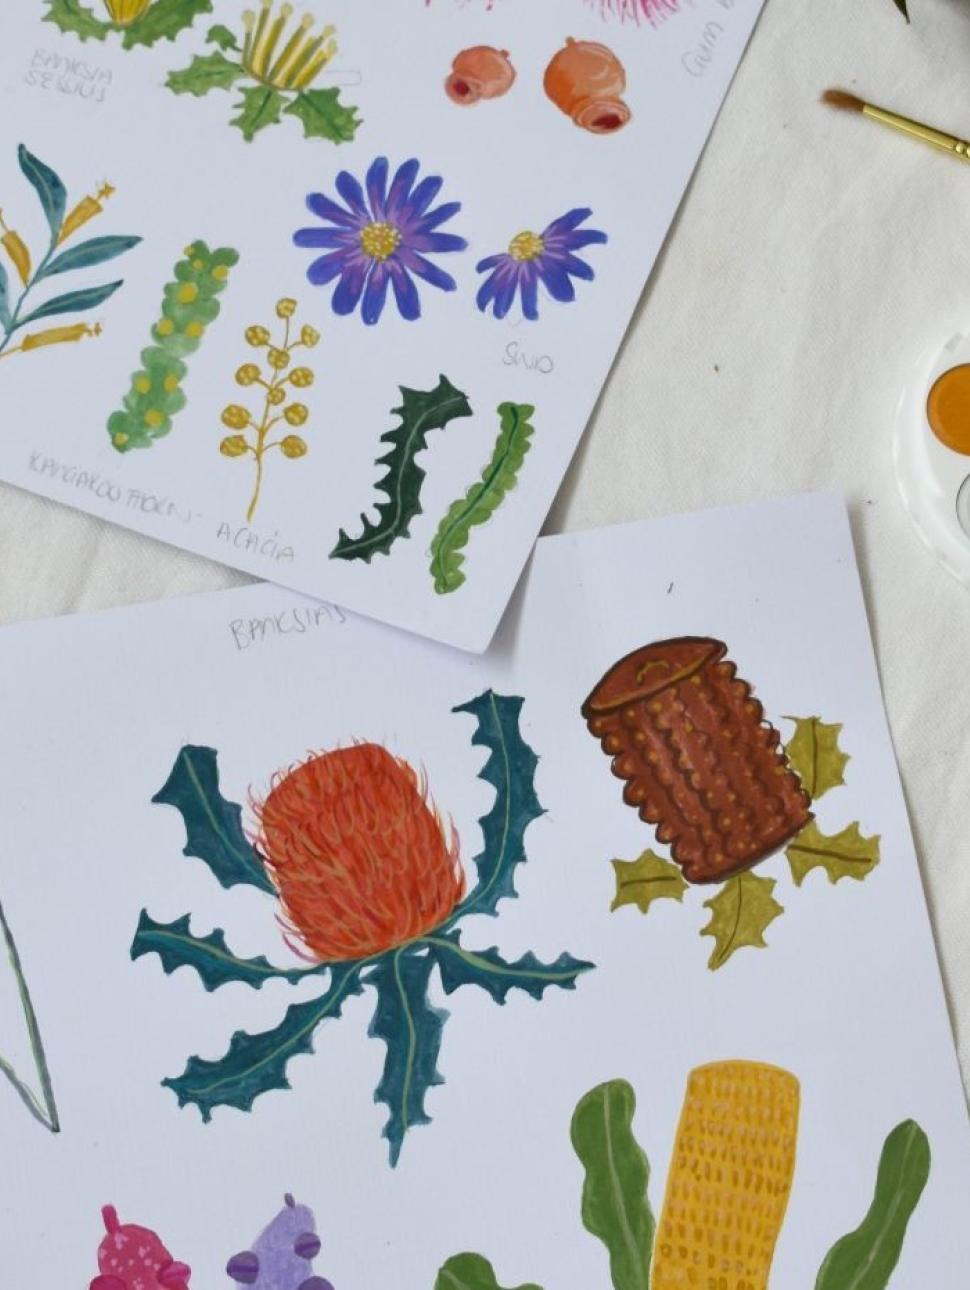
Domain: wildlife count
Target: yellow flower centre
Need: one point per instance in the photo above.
(124, 12)
(379, 240)
(526, 246)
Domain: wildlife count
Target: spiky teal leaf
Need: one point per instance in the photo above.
(488, 970)
(411, 1028)
(210, 956)
(72, 302)
(213, 826)
(510, 769)
(256, 1064)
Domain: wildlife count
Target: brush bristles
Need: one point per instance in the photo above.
(844, 100)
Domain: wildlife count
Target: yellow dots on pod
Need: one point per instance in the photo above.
(171, 383)
(309, 336)
(278, 358)
(235, 417)
(296, 414)
(234, 445)
(285, 308)
(165, 327)
(154, 418)
(276, 396)
(257, 336)
(142, 383)
(248, 374)
(187, 293)
(195, 329)
(293, 446)
(301, 377)
(221, 272)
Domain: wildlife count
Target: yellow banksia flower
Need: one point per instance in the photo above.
(234, 445)
(300, 59)
(125, 12)
(309, 336)
(235, 417)
(257, 336)
(296, 414)
(248, 374)
(59, 335)
(286, 307)
(301, 377)
(16, 248)
(293, 446)
(85, 210)
(278, 358)
(730, 1177)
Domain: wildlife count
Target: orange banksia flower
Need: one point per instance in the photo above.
(360, 857)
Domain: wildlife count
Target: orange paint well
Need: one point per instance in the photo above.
(480, 72)
(948, 409)
(586, 80)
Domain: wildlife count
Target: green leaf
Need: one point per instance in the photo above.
(213, 826)
(205, 72)
(510, 769)
(73, 17)
(615, 1204)
(648, 878)
(164, 19)
(481, 501)
(471, 1272)
(209, 955)
(95, 251)
(815, 755)
(324, 116)
(221, 37)
(866, 1258)
(844, 855)
(73, 302)
(420, 411)
(740, 913)
(488, 970)
(48, 186)
(259, 107)
(5, 316)
(411, 1028)
(256, 1064)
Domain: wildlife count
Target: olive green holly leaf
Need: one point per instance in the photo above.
(844, 855)
(648, 878)
(740, 913)
(259, 107)
(205, 72)
(324, 116)
(72, 16)
(815, 755)
(222, 38)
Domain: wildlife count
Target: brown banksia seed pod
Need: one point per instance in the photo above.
(699, 760)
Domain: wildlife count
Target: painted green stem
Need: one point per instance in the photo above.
(46, 1113)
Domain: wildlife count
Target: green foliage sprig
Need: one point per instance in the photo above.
(140, 22)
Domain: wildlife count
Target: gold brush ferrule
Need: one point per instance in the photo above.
(916, 130)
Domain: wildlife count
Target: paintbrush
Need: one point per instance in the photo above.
(915, 129)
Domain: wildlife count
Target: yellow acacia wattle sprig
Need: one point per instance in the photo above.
(275, 394)
(300, 59)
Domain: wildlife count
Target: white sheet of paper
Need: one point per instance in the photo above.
(846, 995)
(182, 172)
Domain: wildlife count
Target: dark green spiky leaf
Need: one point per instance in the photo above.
(615, 1204)
(221, 37)
(471, 1272)
(256, 1064)
(73, 302)
(163, 20)
(510, 769)
(411, 1028)
(648, 878)
(420, 411)
(740, 913)
(866, 1258)
(815, 755)
(76, 18)
(901, 5)
(213, 826)
(48, 186)
(85, 254)
(5, 317)
(324, 116)
(205, 72)
(259, 107)
(488, 970)
(210, 956)
(499, 476)
(844, 855)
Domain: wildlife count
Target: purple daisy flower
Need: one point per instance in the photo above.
(545, 257)
(380, 239)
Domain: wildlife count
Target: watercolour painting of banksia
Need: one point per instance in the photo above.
(252, 431)
(138, 22)
(370, 890)
(20, 313)
(703, 767)
(278, 62)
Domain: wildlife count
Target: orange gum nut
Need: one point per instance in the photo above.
(479, 73)
(948, 409)
(586, 81)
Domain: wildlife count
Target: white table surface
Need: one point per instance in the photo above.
(815, 259)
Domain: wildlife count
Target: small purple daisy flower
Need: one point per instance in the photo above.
(545, 257)
(381, 239)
